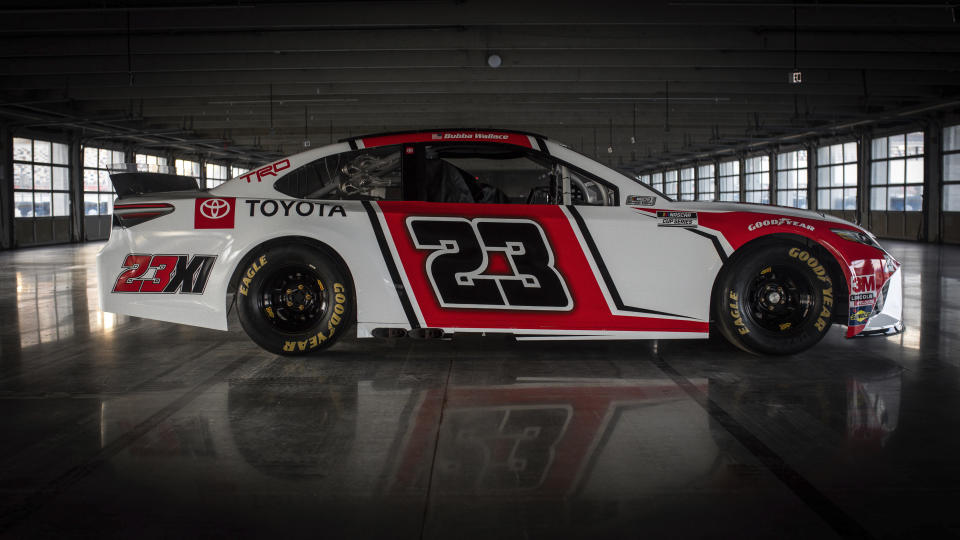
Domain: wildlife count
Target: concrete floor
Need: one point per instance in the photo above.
(116, 427)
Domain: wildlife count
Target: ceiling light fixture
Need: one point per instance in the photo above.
(494, 60)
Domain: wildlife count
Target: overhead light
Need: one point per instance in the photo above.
(494, 60)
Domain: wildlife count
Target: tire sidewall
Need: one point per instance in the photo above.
(734, 313)
(320, 335)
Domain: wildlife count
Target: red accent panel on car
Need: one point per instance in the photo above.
(449, 136)
(588, 310)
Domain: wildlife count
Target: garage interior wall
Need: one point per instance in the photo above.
(930, 217)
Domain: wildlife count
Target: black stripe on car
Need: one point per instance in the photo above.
(715, 240)
(611, 286)
(391, 265)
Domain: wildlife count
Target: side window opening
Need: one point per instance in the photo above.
(486, 174)
(369, 174)
(495, 173)
(584, 190)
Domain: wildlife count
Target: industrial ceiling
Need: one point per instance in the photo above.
(635, 83)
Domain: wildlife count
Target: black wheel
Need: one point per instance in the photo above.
(294, 300)
(775, 299)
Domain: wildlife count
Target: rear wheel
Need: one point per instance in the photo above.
(294, 300)
(775, 299)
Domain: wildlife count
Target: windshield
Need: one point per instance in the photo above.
(622, 173)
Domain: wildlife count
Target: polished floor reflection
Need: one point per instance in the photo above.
(117, 427)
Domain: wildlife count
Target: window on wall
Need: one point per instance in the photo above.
(150, 163)
(792, 179)
(837, 176)
(656, 181)
(729, 181)
(951, 169)
(756, 179)
(670, 184)
(687, 184)
(644, 179)
(896, 173)
(706, 189)
(98, 194)
(216, 174)
(41, 185)
(238, 171)
(187, 168)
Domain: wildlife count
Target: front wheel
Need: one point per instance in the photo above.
(294, 299)
(775, 300)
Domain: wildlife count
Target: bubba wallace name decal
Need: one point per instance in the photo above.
(287, 208)
(781, 221)
(470, 136)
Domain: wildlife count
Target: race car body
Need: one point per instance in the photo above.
(438, 232)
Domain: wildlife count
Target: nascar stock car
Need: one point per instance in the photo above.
(430, 233)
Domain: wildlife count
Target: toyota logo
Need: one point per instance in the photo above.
(214, 208)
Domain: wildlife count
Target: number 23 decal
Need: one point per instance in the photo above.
(461, 254)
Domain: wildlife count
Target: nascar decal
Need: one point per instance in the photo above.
(214, 213)
(164, 274)
(490, 263)
(676, 219)
(496, 266)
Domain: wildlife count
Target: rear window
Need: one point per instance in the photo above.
(369, 174)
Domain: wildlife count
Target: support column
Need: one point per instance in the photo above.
(741, 162)
(772, 188)
(6, 187)
(75, 174)
(864, 140)
(932, 173)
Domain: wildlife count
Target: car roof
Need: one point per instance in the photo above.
(489, 135)
(441, 130)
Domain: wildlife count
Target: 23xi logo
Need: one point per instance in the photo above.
(214, 213)
(463, 264)
(164, 274)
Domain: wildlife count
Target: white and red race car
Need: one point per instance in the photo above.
(431, 233)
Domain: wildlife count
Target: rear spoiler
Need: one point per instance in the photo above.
(128, 184)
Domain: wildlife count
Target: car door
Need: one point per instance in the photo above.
(489, 246)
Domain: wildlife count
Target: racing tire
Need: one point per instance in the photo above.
(775, 299)
(294, 299)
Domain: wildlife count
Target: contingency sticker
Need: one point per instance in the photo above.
(641, 200)
(863, 297)
(676, 219)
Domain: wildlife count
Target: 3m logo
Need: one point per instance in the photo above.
(164, 274)
(490, 263)
(864, 284)
(214, 213)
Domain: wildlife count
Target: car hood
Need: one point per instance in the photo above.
(707, 206)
